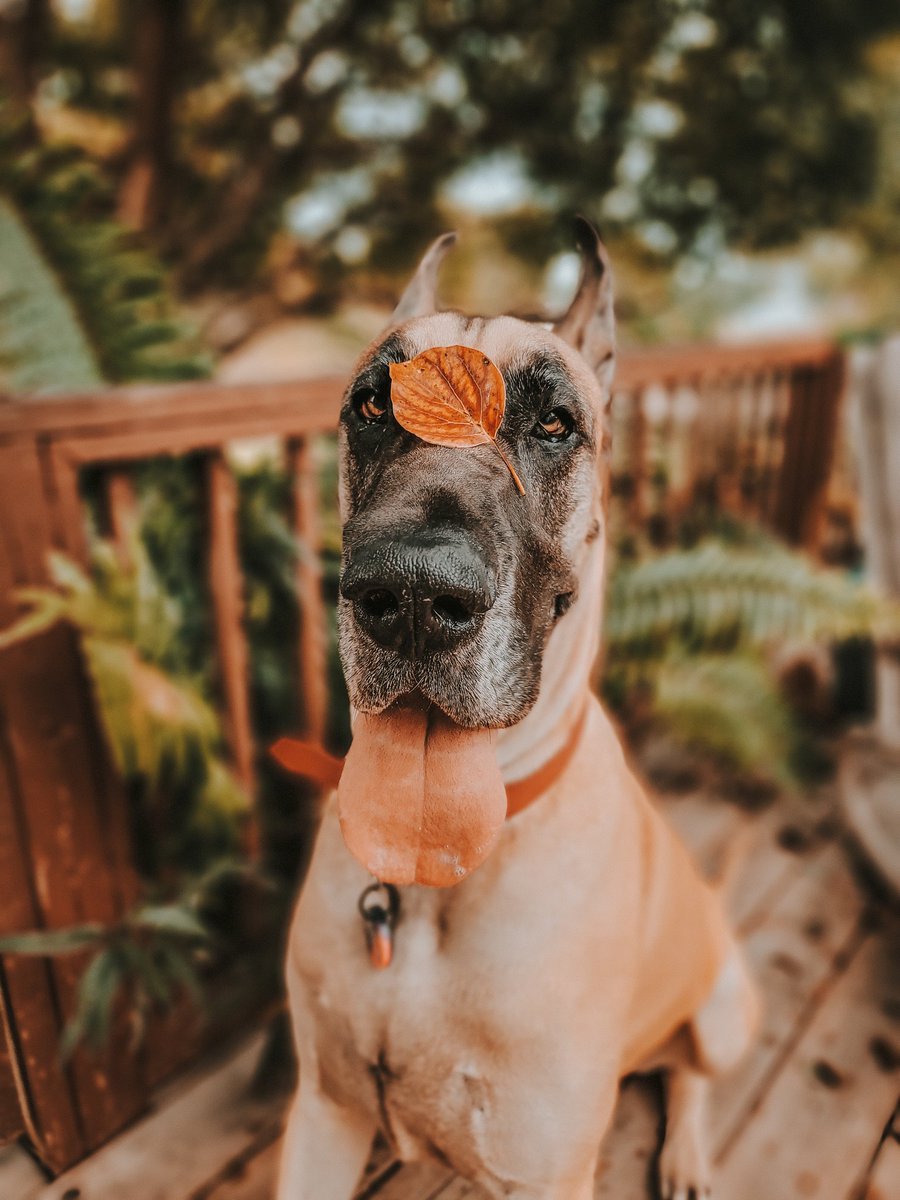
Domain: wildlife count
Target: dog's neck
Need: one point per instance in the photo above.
(565, 680)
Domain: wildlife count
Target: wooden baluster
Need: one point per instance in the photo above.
(658, 415)
(311, 660)
(667, 445)
(695, 459)
(61, 487)
(728, 447)
(226, 589)
(788, 515)
(638, 470)
(614, 470)
(760, 384)
(773, 445)
(121, 511)
(809, 451)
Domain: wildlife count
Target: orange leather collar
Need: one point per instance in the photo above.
(313, 762)
(525, 791)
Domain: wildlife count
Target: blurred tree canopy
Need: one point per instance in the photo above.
(678, 123)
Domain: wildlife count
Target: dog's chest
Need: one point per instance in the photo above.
(485, 1014)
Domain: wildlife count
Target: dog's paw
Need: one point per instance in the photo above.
(684, 1170)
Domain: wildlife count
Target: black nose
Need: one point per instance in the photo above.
(419, 594)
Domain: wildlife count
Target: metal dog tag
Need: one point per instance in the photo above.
(379, 906)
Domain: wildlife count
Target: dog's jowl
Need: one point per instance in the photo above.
(536, 931)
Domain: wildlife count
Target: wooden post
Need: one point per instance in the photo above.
(68, 813)
(311, 660)
(638, 449)
(23, 33)
(64, 501)
(226, 590)
(809, 437)
(159, 38)
(876, 430)
(121, 511)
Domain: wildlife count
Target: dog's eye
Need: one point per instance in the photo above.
(370, 407)
(553, 426)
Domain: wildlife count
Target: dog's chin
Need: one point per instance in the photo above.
(378, 680)
(463, 716)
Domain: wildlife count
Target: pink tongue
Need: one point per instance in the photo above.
(420, 800)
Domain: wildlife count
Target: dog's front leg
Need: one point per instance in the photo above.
(325, 1148)
(684, 1162)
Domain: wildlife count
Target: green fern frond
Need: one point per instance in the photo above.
(729, 707)
(82, 301)
(718, 596)
(160, 727)
(42, 344)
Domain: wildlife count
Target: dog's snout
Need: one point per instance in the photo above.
(414, 595)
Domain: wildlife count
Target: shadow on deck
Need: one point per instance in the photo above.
(812, 1113)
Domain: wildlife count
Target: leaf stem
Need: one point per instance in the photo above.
(512, 470)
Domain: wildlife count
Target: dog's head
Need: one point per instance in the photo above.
(451, 580)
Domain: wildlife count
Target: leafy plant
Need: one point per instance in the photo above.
(690, 636)
(728, 707)
(719, 595)
(83, 300)
(164, 733)
(41, 341)
(155, 954)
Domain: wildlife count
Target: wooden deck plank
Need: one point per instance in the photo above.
(764, 878)
(816, 1130)
(792, 955)
(20, 1176)
(209, 1122)
(253, 1176)
(884, 1180)
(626, 1166)
(252, 1179)
(705, 825)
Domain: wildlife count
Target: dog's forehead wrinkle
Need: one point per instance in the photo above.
(503, 339)
(540, 378)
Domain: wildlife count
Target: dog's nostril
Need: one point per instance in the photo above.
(380, 603)
(450, 609)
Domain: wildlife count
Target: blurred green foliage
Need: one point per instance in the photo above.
(163, 731)
(82, 300)
(679, 124)
(692, 638)
(157, 953)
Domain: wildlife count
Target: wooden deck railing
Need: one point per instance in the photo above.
(749, 429)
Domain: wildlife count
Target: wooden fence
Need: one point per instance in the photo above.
(748, 429)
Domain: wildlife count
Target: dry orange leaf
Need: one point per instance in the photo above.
(451, 396)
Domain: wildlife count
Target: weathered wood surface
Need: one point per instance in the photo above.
(875, 427)
(884, 1178)
(11, 1122)
(311, 405)
(20, 1176)
(808, 1115)
(189, 1143)
(62, 818)
(312, 671)
(226, 591)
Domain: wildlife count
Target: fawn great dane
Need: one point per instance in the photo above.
(487, 1025)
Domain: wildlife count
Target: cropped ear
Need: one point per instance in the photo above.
(419, 298)
(590, 325)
